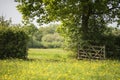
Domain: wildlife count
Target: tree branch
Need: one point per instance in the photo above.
(106, 10)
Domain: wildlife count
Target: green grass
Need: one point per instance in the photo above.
(54, 64)
(48, 54)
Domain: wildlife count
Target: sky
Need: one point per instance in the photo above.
(8, 10)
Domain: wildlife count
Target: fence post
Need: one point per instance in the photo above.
(104, 51)
(78, 53)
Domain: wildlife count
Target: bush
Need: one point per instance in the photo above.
(34, 43)
(113, 46)
(52, 40)
(13, 43)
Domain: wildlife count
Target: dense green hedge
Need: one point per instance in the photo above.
(113, 46)
(13, 43)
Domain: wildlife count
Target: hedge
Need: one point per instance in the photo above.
(13, 43)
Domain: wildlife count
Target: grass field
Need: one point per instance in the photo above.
(54, 64)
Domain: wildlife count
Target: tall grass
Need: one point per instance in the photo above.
(54, 64)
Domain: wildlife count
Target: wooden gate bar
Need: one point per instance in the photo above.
(91, 52)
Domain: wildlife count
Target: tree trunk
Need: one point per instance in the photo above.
(85, 20)
(84, 26)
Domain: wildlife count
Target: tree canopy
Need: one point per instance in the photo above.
(79, 17)
(77, 10)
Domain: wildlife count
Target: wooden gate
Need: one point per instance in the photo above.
(91, 52)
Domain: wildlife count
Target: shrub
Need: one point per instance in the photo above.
(113, 46)
(34, 43)
(13, 43)
(52, 40)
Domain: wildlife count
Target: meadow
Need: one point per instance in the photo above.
(56, 64)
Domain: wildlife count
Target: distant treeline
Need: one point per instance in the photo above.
(43, 37)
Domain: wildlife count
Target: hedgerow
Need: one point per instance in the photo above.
(13, 43)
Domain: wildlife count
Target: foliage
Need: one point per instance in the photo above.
(13, 43)
(86, 14)
(30, 30)
(33, 43)
(112, 42)
(91, 16)
(43, 37)
(5, 23)
(52, 40)
(49, 29)
(84, 22)
(53, 64)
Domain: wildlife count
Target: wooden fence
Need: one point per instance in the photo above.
(91, 52)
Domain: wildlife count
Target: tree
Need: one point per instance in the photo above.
(30, 29)
(5, 23)
(81, 18)
(52, 40)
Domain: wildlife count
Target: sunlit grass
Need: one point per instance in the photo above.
(48, 54)
(45, 65)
